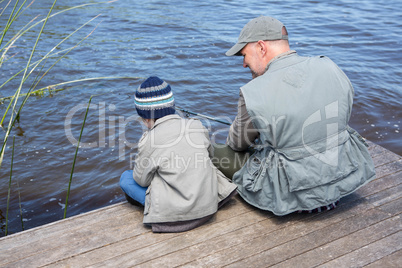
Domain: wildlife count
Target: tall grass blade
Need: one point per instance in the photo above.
(9, 186)
(29, 60)
(10, 20)
(35, 64)
(51, 16)
(4, 8)
(75, 158)
(53, 88)
(33, 86)
(16, 95)
(11, 42)
(48, 55)
(61, 57)
(19, 203)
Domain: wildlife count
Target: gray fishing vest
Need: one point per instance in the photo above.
(306, 156)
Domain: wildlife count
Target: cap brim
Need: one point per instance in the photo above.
(235, 50)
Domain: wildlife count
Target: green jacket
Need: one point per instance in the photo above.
(306, 155)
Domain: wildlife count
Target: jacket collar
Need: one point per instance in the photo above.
(287, 53)
(165, 118)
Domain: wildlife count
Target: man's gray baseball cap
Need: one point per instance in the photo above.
(261, 28)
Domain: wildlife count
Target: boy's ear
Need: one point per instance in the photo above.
(149, 122)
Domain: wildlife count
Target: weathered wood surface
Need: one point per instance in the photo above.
(365, 230)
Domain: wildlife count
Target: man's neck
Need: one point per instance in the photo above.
(284, 54)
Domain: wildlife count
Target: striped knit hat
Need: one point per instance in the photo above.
(154, 99)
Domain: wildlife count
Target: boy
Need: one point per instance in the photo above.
(173, 176)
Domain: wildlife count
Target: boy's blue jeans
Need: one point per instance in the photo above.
(131, 188)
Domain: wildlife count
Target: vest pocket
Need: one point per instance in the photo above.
(255, 171)
(319, 169)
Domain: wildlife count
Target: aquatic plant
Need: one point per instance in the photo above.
(30, 67)
(75, 157)
(9, 185)
(9, 35)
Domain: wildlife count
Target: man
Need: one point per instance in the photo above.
(294, 113)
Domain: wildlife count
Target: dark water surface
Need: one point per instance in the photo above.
(184, 43)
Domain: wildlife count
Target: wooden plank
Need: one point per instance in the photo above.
(324, 252)
(110, 248)
(73, 240)
(376, 150)
(393, 260)
(390, 168)
(229, 240)
(223, 241)
(238, 234)
(380, 184)
(59, 227)
(385, 196)
(381, 157)
(369, 253)
(196, 236)
(121, 249)
(379, 160)
(274, 253)
(265, 241)
(390, 207)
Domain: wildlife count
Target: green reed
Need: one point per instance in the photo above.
(14, 99)
(28, 85)
(54, 88)
(30, 67)
(75, 157)
(19, 203)
(9, 186)
(14, 14)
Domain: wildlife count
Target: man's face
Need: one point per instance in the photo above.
(253, 60)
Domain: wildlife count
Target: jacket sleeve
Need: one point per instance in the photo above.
(208, 143)
(146, 164)
(242, 132)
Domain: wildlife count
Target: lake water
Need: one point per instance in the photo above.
(182, 42)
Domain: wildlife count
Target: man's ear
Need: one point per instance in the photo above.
(262, 47)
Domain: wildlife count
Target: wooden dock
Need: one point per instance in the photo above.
(364, 231)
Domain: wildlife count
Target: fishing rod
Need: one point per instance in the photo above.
(202, 115)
